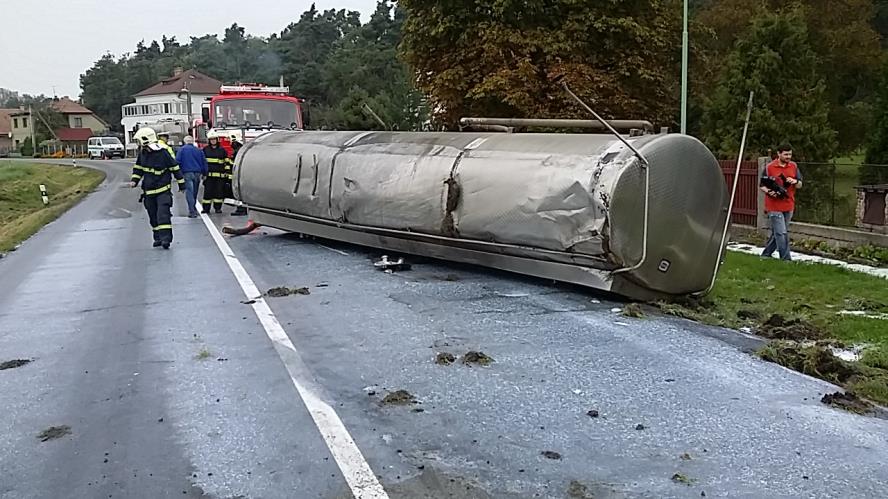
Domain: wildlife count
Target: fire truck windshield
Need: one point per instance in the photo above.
(255, 112)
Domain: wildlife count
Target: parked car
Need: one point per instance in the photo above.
(105, 148)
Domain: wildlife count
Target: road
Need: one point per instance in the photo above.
(173, 387)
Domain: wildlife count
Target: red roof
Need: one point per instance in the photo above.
(67, 106)
(198, 83)
(74, 134)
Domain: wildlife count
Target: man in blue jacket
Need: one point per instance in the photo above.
(194, 165)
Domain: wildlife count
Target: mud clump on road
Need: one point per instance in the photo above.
(479, 358)
(282, 291)
(778, 327)
(399, 397)
(445, 359)
(577, 490)
(548, 454)
(680, 478)
(848, 401)
(12, 364)
(633, 310)
(54, 432)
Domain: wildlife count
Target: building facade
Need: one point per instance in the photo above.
(168, 100)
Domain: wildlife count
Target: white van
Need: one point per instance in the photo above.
(105, 148)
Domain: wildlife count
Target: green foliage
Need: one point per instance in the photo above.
(27, 148)
(877, 149)
(775, 60)
(506, 58)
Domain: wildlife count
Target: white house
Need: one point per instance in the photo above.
(167, 100)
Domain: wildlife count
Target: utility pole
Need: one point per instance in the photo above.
(684, 72)
(31, 127)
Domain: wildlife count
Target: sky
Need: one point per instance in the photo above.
(46, 44)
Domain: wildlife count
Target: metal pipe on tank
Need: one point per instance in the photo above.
(557, 123)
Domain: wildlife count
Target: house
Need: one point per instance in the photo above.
(6, 143)
(79, 116)
(22, 126)
(74, 138)
(166, 100)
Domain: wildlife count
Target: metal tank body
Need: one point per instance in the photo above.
(569, 207)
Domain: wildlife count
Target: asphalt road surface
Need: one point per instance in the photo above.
(161, 382)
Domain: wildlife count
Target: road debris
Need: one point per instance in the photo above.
(577, 490)
(592, 414)
(399, 397)
(282, 291)
(445, 359)
(390, 266)
(640, 427)
(12, 364)
(680, 478)
(250, 227)
(479, 358)
(685, 457)
(54, 432)
(248, 302)
(848, 401)
(633, 310)
(548, 454)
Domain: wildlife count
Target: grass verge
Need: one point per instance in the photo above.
(22, 212)
(800, 304)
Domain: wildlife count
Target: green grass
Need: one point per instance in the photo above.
(749, 290)
(203, 354)
(22, 212)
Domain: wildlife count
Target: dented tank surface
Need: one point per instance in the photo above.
(564, 206)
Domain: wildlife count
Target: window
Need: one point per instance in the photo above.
(24, 122)
(78, 122)
(16, 142)
(15, 123)
(166, 108)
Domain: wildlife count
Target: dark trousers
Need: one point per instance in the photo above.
(214, 193)
(158, 207)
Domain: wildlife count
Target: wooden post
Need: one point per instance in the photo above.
(760, 205)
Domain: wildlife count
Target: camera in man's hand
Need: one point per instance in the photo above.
(773, 185)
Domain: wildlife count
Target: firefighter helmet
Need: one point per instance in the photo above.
(234, 137)
(145, 136)
(212, 134)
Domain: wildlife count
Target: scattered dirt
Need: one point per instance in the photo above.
(685, 457)
(476, 358)
(282, 291)
(577, 490)
(848, 401)
(445, 359)
(592, 414)
(813, 361)
(749, 315)
(778, 327)
(548, 454)
(12, 364)
(54, 432)
(248, 302)
(680, 478)
(399, 397)
(640, 427)
(633, 310)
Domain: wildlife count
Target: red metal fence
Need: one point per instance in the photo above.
(746, 201)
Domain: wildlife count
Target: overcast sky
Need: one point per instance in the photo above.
(49, 43)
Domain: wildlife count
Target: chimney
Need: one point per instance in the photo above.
(177, 71)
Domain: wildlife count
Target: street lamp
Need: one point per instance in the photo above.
(684, 72)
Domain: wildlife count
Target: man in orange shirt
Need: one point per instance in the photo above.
(779, 182)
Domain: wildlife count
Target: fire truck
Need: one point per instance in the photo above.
(248, 110)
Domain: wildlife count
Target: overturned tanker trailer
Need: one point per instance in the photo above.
(579, 208)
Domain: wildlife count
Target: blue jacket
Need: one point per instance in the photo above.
(192, 159)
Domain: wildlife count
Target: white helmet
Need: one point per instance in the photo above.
(145, 136)
(212, 134)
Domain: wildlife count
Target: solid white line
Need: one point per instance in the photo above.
(360, 478)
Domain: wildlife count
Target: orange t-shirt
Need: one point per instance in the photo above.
(774, 169)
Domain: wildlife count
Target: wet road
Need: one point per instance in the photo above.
(172, 387)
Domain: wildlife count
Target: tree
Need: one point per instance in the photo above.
(877, 148)
(506, 58)
(27, 147)
(775, 60)
(841, 35)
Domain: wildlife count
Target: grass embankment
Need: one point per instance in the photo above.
(799, 307)
(22, 212)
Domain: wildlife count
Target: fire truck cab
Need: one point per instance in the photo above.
(248, 110)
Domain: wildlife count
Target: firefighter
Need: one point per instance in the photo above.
(236, 145)
(155, 168)
(217, 177)
(162, 139)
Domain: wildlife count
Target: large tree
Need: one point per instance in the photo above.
(875, 169)
(775, 60)
(841, 35)
(506, 57)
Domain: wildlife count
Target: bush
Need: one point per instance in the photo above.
(27, 148)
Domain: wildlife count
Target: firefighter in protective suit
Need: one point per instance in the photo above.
(154, 169)
(236, 145)
(217, 176)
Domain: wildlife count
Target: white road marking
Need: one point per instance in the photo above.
(358, 474)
